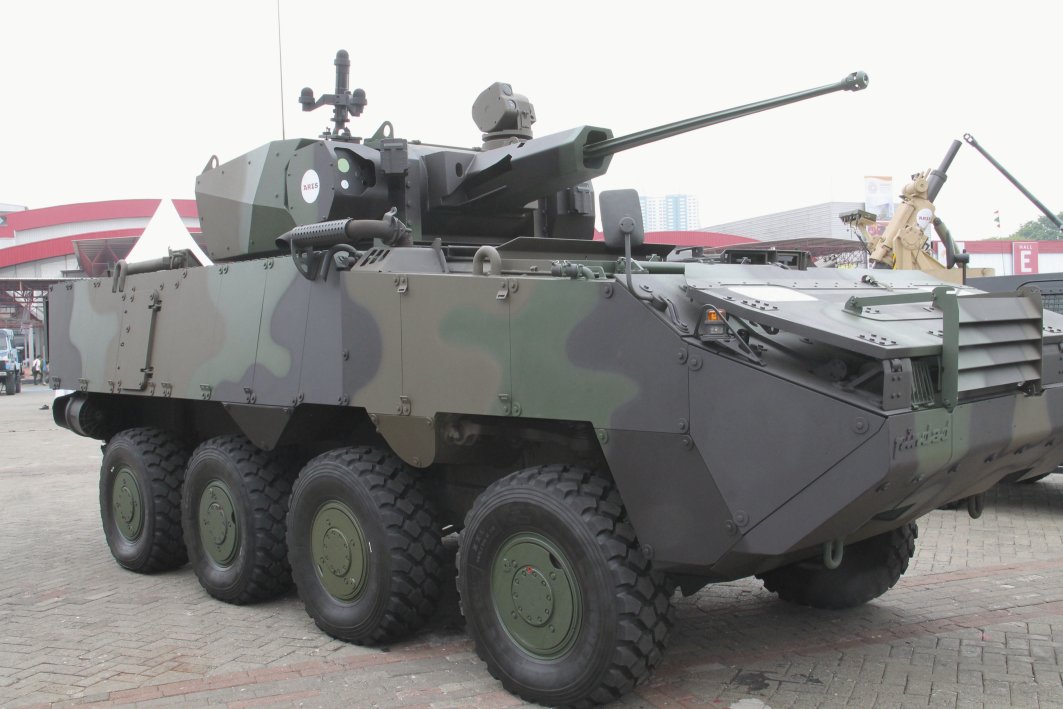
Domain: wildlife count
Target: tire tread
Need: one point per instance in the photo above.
(892, 550)
(644, 596)
(269, 486)
(166, 456)
(416, 550)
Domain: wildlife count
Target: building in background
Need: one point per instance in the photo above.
(39, 247)
(1010, 258)
(6, 209)
(674, 212)
(817, 229)
(819, 221)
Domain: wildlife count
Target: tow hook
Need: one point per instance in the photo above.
(833, 553)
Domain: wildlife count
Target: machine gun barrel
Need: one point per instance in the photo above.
(1047, 212)
(856, 81)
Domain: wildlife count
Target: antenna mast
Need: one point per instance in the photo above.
(280, 68)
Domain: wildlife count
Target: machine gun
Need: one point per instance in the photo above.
(904, 243)
(513, 185)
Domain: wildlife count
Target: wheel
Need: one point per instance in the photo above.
(868, 569)
(234, 506)
(10, 384)
(18, 385)
(364, 546)
(140, 499)
(560, 601)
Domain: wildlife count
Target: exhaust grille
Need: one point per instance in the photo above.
(373, 256)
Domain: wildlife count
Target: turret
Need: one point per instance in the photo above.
(513, 185)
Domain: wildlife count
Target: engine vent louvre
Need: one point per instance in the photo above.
(924, 386)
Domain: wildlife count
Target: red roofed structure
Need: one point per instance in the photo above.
(39, 247)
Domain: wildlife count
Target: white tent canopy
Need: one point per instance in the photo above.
(165, 232)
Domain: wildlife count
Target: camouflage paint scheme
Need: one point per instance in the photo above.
(864, 400)
(449, 305)
(727, 466)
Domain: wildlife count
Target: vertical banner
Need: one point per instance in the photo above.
(1024, 256)
(878, 196)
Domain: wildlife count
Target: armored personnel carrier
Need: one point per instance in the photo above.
(399, 340)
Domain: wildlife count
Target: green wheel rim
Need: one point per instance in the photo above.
(127, 504)
(219, 531)
(536, 595)
(339, 551)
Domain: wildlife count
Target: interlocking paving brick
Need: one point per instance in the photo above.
(977, 621)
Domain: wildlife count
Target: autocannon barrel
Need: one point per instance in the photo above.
(512, 176)
(856, 81)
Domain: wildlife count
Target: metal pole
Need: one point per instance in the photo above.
(1047, 212)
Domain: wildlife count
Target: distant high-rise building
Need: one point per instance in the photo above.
(674, 212)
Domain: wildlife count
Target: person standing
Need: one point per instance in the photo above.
(35, 368)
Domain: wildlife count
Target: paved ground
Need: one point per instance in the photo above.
(977, 621)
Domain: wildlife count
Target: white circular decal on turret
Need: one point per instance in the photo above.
(923, 218)
(311, 186)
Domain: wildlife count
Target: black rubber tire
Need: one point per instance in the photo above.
(626, 606)
(406, 560)
(261, 487)
(10, 384)
(157, 461)
(868, 569)
(18, 385)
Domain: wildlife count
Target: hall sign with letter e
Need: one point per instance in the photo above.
(1024, 254)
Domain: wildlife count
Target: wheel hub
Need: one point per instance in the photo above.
(340, 551)
(337, 548)
(537, 596)
(217, 516)
(125, 500)
(533, 596)
(216, 524)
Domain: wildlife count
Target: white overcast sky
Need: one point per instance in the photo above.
(117, 100)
